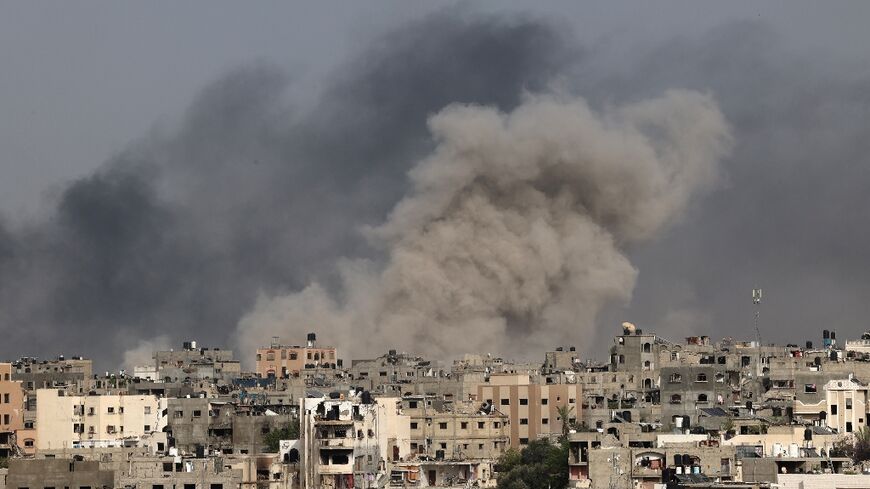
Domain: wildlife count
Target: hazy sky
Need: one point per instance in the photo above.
(86, 83)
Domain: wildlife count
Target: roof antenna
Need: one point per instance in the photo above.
(756, 301)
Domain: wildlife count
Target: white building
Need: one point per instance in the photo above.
(349, 443)
(82, 421)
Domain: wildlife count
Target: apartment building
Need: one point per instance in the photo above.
(64, 421)
(11, 412)
(532, 408)
(289, 361)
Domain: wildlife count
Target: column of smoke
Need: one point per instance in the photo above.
(513, 234)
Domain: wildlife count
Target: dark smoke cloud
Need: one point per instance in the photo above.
(177, 236)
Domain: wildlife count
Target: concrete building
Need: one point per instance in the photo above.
(11, 414)
(532, 408)
(285, 361)
(47, 472)
(352, 442)
(68, 421)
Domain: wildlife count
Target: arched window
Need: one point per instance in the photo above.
(647, 348)
(646, 365)
(647, 383)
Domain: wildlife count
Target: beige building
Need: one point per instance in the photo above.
(288, 361)
(531, 408)
(844, 402)
(455, 430)
(71, 421)
(11, 412)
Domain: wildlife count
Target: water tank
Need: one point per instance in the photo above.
(809, 345)
(826, 334)
(312, 340)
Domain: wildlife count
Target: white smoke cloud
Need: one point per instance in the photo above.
(512, 236)
(142, 353)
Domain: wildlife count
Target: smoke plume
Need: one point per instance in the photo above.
(511, 235)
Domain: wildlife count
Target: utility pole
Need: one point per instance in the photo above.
(756, 301)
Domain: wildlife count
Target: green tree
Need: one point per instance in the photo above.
(273, 438)
(565, 414)
(541, 465)
(862, 445)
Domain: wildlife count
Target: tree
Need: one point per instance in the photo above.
(273, 438)
(565, 413)
(541, 465)
(862, 445)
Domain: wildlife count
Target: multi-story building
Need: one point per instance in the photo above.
(11, 413)
(532, 408)
(289, 361)
(64, 421)
(352, 442)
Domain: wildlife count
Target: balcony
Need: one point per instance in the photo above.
(336, 442)
(335, 469)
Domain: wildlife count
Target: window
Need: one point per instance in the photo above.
(179, 414)
(216, 486)
(702, 397)
(647, 348)
(848, 426)
(524, 441)
(833, 409)
(28, 442)
(414, 425)
(5, 398)
(545, 421)
(283, 354)
(197, 413)
(147, 409)
(544, 401)
(701, 378)
(259, 358)
(442, 426)
(111, 410)
(849, 403)
(524, 420)
(621, 358)
(5, 419)
(524, 402)
(480, 425)
(294, 355)
(382, 374)
(480, 446)
(464, 425)
(147, 428)
(412, 404)
(676, 378)
(270, 357)
(309, 355)
(505, 402)
(809, 388)
(496, 424)
(676, 399)
(571, 400)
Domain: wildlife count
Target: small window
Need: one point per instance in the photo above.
(147, 409)
(524, 402)
(702, 378)
(676, 378)
(496, 424)
(505, 402)
(676, 399)
(179, 414)
(464, 425)
(702, 397)
(524, 441)
(833, 409)
(480, 425)
(442, 426)
(147, 428)
(414, 425)
(545, 421)
(524, 420)
(849, 403)
(197, 413)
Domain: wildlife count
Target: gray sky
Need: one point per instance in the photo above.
(103, 86)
